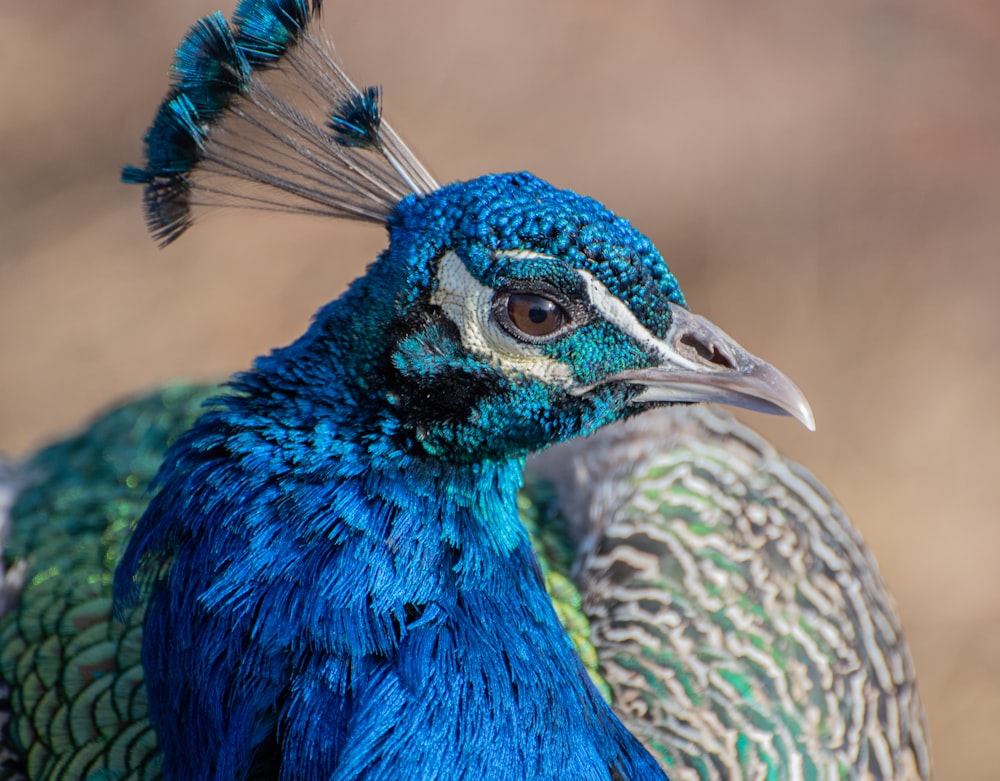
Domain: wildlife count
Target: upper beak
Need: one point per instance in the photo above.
(700, 362)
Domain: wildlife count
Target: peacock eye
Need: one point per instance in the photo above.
(535, 315)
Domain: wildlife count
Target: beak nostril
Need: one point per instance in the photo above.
(720, 358)
(709, 352)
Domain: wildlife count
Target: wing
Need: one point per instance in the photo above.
(77, 699)
(739, 619)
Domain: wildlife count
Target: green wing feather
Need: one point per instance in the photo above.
(739, 619)
(78, 703)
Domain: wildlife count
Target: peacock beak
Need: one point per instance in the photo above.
(702, 363)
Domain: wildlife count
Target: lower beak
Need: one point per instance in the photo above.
(702, 363)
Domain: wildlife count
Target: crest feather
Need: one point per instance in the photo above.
(260, 115)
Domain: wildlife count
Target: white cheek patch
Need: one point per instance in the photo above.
(613, 310)
(467, 303)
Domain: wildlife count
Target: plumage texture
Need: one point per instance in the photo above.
(333, 577)
(679, 525)
(340, 544)
(739, 619)
(261, 116)
(80, 707)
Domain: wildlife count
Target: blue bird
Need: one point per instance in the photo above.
(333, 578)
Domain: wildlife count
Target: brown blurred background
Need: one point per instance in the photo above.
(824, 178)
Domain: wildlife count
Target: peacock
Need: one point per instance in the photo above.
(355, 561)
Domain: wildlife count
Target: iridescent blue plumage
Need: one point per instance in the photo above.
(222, 72)
(335, 580)
(340, 572)
(173, 146)
(331, 580)
(209, 67)
(266, 29)
(357, 119)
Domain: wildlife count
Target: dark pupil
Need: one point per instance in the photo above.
(534, 315)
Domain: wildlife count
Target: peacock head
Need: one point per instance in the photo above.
(505, 314)
(517, 315)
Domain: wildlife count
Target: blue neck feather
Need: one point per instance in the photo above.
(354, 608)
(333, 597)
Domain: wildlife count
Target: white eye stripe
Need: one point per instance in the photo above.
(523, 254)
(468, 303)
(614, 310)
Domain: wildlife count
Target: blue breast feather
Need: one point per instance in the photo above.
(373, 612)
